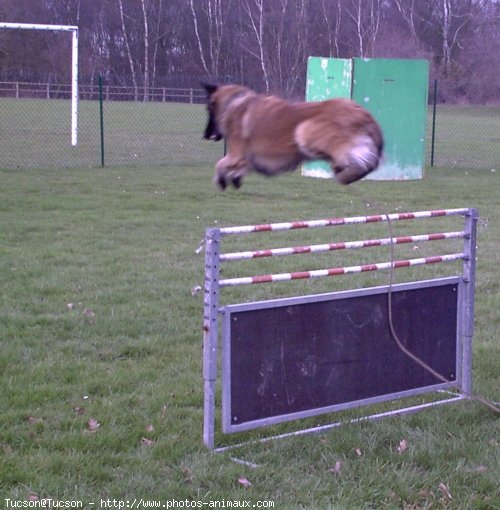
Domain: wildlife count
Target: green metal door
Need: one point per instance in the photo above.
(327, 78)
(395, 92)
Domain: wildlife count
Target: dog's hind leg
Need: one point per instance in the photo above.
(361, 158)
(352, 156)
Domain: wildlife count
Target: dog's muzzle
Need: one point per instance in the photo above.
(213, 136)
(211, 132)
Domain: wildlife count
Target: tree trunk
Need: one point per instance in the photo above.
(146, 52)
(258, 30)
(446, 38)
(129, 54)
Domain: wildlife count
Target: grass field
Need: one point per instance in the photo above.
(36, 134)
(100, 345)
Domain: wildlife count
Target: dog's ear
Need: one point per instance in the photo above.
(209, 87)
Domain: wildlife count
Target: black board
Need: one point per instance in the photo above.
(309, 355)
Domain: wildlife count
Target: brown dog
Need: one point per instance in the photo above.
(271, 136)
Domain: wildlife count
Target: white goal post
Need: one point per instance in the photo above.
(74, 65)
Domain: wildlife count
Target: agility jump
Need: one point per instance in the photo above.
(460, 291)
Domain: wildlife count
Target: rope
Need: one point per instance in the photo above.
(392, 329)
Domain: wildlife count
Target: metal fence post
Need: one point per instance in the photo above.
(433, 122)
(469, 277)
(101, 117)
(210, 333)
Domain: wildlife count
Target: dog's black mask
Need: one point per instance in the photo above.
(211, 131)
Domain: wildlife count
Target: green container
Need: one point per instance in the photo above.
(327, 78)
(394, 91)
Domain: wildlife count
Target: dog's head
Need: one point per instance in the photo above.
(212, 131)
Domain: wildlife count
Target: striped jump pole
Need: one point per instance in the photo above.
(350, 245)
(333, 222)
(337, 271)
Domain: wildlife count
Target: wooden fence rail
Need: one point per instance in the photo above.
(29, 90)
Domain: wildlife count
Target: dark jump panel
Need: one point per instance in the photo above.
(285, 358)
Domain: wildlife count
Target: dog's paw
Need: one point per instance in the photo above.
(236, 182)
(220, 182)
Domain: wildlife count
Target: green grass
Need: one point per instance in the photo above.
(119, 244)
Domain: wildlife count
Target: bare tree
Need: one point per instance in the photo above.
(332, 23)
(452, 23)
(407, 11)
(127, 48)
(141, 37)
(157, 39)
(438, 26)
(289, 45)
(365, 14)
(198, 37)
(210, 20)
(264, 43)
(146, 51)
(254, 10)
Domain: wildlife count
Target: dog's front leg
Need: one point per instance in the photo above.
(232, 169)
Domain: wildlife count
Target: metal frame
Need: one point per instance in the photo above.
(74, 65)
(228, 427)
(210, 332)
(213, 259)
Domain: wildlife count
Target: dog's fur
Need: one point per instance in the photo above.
(271, 136)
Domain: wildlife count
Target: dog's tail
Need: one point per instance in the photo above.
(346, 135)
(363, 156)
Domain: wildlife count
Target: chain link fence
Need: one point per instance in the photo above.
(167, 128)
(464, 126)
